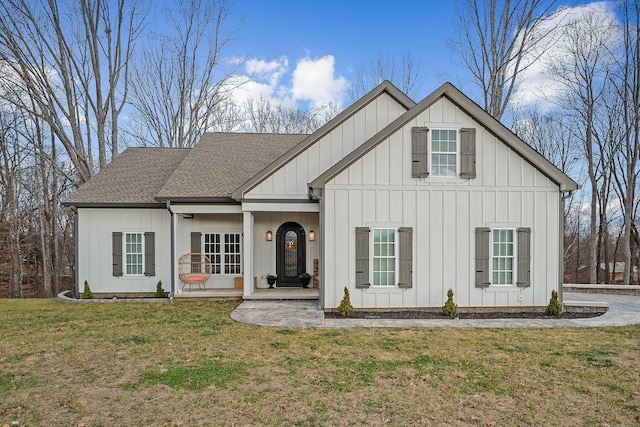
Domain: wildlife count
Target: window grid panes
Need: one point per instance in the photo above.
(502, 257)
(444, 152)
(225, 257)
(384, 257)
(133, 253)
(232, 253)
(212, 251)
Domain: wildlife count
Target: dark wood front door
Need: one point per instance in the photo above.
(291, 254)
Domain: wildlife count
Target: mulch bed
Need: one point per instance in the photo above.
(474, 315)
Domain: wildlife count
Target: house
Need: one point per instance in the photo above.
(395, 200)
(616, 272)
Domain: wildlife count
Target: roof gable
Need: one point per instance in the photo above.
(473, 110)
(385, 87)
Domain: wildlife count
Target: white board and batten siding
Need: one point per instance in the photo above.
(378, 190)
(290, 181)
(95, 228)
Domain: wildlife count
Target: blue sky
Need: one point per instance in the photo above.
(307, 52)
(352, 31)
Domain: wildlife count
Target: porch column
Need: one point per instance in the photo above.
(247, 233)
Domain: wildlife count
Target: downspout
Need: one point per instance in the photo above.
(563, 196)
(314, 196)
(173, 253)
(76, 242)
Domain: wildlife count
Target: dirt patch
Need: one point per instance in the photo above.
(471, 315)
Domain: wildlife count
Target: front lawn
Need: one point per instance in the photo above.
(188, 363)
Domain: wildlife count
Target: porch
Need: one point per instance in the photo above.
(248, 242)
(258, 294)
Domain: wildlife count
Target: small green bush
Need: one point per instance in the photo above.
(450, 308)
(345, 308)
(160, 293)
(86, 292)
(554, 308)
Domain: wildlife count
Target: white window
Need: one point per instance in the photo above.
(444, 152)
(213, 251)
(225, 258)
(502, 255)
(384, 256)
(232, 253)
(134, 253)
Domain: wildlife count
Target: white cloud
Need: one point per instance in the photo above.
(272, 71)
(535, 86)
(244, 88)
(312, 83)
(315, 81)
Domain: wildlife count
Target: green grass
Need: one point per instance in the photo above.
(190, 364)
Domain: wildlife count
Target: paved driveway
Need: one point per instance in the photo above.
(623, 310)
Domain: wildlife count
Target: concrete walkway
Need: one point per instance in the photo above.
(623, 310)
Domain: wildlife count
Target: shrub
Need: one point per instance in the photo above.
(554, 308)
(86, 292)
(345, 308)
(450, 308)
(160, 293)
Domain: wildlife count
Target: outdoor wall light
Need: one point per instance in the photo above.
(312, 235)
(269, 236)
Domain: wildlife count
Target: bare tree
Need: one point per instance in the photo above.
(12, 155)
(262, 115)
(403, 72)
(181, 81)
(498, 41)
(582, 68)
(71, 58)
(550, 136)
(628, 90)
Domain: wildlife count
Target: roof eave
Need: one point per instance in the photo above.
(565, 183)
(113, 205)
(384, 87)
(197, 200)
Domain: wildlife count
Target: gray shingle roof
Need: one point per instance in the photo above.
(222, 162)
(134, 177)
(213, 169)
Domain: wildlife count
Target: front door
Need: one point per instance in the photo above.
(291, 258)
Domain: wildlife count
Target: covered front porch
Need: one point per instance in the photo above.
(246, 244)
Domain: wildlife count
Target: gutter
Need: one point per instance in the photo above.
(173, 253)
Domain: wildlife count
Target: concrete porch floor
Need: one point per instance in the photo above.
(258, 294)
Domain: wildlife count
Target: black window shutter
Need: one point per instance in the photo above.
(482, 257)
(467, 153)
(362, 257)
(405, 238)
(524, 257)
(150, 253)
(116, 251)
(419, 152)
(196, 246)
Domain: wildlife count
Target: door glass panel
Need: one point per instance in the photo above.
(291, 254)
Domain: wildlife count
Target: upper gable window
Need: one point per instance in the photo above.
(444, 152)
